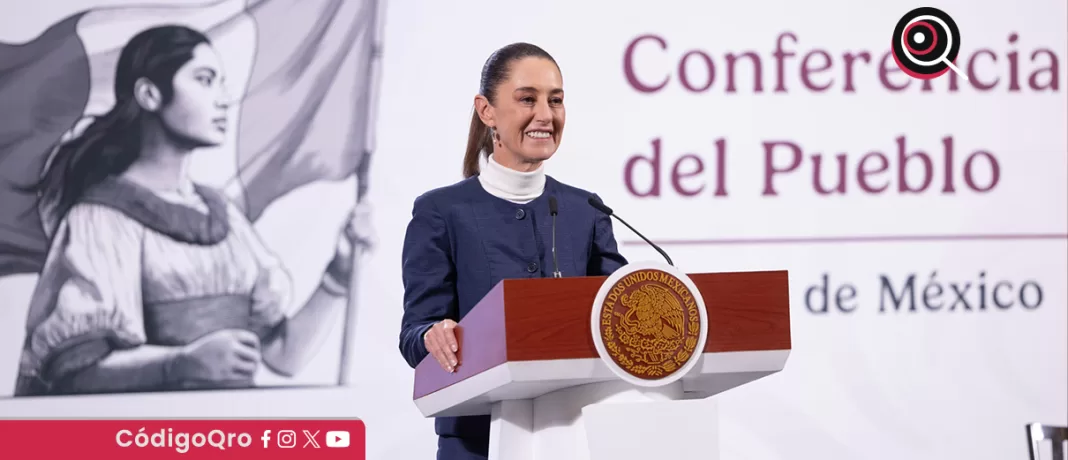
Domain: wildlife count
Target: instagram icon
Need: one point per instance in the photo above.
(287, 439)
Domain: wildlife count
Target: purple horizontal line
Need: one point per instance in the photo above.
(854, 239)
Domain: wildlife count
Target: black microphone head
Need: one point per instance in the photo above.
(553, 208)
(598, 205)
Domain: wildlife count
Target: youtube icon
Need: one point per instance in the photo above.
(337, 439)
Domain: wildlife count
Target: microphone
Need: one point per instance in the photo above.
(605, 209)
(553, 210)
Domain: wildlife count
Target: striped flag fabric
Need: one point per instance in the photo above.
(303, 71)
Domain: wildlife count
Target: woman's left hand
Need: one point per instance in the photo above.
(357, 234)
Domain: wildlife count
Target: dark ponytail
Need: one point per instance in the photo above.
(495, 71)
(478, 141)
(112, 142)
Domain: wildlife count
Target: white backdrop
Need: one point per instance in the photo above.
(871, 383)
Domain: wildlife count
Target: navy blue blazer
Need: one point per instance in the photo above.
(462, 241)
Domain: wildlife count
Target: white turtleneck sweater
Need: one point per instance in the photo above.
(509, 184)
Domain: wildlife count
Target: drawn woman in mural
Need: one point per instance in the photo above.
(154, 282)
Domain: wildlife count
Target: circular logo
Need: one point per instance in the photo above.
(649, 324)
(926, 43)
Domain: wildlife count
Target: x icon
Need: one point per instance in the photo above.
(311, 439)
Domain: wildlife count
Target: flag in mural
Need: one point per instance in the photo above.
(300, 71)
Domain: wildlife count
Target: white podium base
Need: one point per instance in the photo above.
(605, 421)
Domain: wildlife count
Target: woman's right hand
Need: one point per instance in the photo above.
(440, 341)
(222, 356)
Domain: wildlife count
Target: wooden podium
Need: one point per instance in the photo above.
(527, 357)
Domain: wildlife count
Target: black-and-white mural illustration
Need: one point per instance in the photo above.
(183, 194)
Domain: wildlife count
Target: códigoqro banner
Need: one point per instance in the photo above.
(199, 439)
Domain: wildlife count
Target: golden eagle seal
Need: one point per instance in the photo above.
(650, 323)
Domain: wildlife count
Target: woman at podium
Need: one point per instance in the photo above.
(497, 223)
